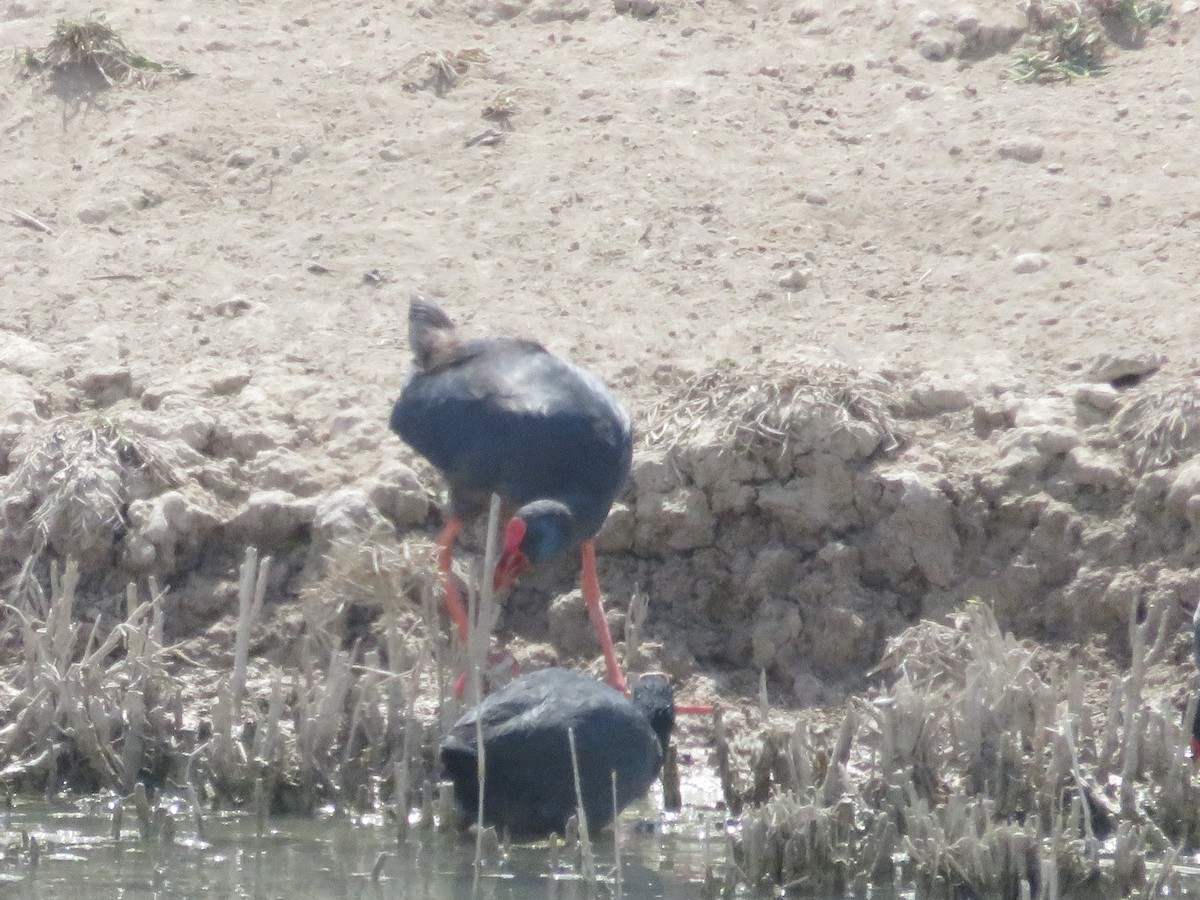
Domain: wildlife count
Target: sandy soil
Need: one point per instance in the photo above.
(769, 182)
(661, 177)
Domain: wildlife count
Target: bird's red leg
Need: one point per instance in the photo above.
(590, 586)
(456, 608)
(454, 604)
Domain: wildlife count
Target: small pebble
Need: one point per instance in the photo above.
(967, 21)
(104, 385)
(1026, 150)
(18, 10)
(940, 396)
(232, 308)
(240, 159)
(1099, 397)
(92, 214)
(919, 91)
(1026, 263)
(229, 383)
(933, 49)
(1125, 364)
(794, 280)
(803, 14)
(557, 11)
(639, 9)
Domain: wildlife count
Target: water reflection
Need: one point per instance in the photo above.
(334, 857)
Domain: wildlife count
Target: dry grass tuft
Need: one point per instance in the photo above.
(501, 108)
(1073, 37)
(71, 486)
(1161, 427)
(378, 572)
(440, 70)
(1069, 43)
(91, 712)
(987, 771)
(88, 711)
(93, 47)
(775, 408)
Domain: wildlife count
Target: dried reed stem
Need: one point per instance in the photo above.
(635, 620)
(252, 589)
(479, 631)
(585, 842)
(616, 836)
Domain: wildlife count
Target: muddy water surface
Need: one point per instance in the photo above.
(332, 857)
(335, 856)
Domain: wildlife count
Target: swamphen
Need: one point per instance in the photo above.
(529, 785)
(506, 416)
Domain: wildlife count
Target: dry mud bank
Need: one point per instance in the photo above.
(789, 518)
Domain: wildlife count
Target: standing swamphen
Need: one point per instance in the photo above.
(505, 416)
(529, 784)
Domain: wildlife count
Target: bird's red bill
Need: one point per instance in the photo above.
(513, 563)
(514, 533)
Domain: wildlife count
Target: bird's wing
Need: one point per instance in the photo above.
(507, 416)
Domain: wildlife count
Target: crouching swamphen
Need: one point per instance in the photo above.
(529, 785)
(505, 416)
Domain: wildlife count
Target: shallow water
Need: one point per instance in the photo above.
(332, 857)
(348, 858)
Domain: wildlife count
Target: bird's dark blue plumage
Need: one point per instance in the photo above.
(529, 782)
(506, 416)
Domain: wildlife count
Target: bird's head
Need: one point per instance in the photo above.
(537, 532)
(656, 700)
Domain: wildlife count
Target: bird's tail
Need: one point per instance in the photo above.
(431, 334)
